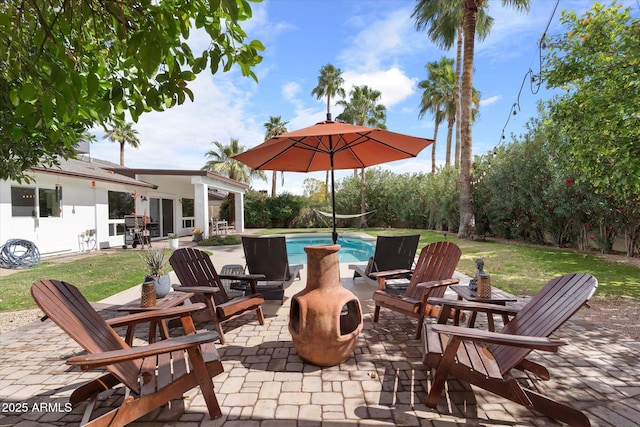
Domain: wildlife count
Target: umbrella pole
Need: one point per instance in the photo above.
(334, 234)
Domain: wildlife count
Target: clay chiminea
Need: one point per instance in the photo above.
(325, 318)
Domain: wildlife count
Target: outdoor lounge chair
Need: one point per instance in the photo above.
(196, 274)
(392, 253)
(486, 359)
(154, 374)
(268, 256)
(433, 273)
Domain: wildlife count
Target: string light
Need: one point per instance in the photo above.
(535, 79)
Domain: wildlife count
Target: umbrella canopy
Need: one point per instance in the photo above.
(331, 145)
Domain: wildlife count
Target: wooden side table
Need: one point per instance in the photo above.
(173, 299)
(498, 296)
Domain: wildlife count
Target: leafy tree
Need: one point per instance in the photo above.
(283, 209)
(66, 66)
(255, 211)
(275, 126)
(222, 163)
(596, 121)
(122, 133)
(363, 109)
(330, 84)
(314, 189)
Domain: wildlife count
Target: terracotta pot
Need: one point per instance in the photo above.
(325, 318)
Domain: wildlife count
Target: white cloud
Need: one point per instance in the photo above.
(490, 100)
(395, 86)
(382, 40)
(179, 137)
(291, 90)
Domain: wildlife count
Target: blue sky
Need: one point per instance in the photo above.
(373, 43)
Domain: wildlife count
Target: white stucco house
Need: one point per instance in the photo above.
(81, 204)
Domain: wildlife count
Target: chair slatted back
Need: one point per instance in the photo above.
(268, 256)
(66, 307)
(395, 252)
(553, 305)
(437, 261)
(193, 267)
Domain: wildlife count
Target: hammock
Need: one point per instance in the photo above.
(343, 216)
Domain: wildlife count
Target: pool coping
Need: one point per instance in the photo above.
(362, 236)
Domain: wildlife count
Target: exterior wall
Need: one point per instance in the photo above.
(84, 207)
(169, 187)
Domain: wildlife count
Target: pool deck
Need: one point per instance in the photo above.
(383, 383)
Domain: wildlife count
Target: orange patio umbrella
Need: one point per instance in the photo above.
(331, 145)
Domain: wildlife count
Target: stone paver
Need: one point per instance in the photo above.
(383, 383)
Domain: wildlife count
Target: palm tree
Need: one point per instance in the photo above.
(443, 18)
(363, 109)
(222, 163)
(275, 126)
(123, 132)
(466, 152)
(330, 83)
(438, 97)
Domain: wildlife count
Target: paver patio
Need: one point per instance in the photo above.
(266, 384)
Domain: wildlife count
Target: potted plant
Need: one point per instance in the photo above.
(156, 260)
(174, 242)
(197, 234)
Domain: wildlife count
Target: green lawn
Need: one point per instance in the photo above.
(516, 268)
(522, 269)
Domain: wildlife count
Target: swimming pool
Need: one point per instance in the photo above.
(353, 248)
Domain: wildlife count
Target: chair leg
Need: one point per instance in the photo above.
(557, 410)
(205, 382)
(442, 372)
(218, 326)
(376, 313)
(419, 327)
(260, 315)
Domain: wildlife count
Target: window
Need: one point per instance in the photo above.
(50, 202)
(120, 204)
(23, 201)
(187, 213)
(187, 208)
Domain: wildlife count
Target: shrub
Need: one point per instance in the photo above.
(221, 241)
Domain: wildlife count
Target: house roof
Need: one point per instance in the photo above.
(91, 170)
(175, 172)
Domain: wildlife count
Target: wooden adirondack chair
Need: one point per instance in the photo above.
(196, 274)
(433, 273)
(155, 374)
(485, 358)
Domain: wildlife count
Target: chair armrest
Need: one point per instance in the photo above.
(198, 289)
(147, 316)
(390, 273)
(437, 283)
(471, 334)
(382, 276)
(247, 277)
(473, 306)
(96, 360)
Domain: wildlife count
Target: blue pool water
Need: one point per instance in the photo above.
(353, 249)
